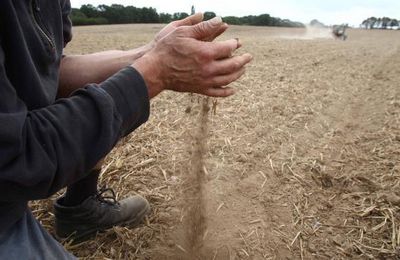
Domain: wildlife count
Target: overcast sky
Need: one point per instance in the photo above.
(328, 11)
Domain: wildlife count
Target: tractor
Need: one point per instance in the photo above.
(339, 31)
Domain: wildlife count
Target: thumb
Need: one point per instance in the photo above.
(190, 20)
(205, 29)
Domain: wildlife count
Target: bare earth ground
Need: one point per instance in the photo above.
(303, 163)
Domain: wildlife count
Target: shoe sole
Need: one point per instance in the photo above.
(74, 240)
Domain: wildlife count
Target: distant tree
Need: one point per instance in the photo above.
(248, 20)
(232, 20)
(165, 18)
(79, 18)
(317, 23)
(179, 16)
(275, 22)
(264, 19)
(209, 15)
(370, 23)
(77, 13)
(288, 23)
(385, 22)
(90, 11)
(374, 22)
(394, 23)
(379, 23)
(148, 15)
(133, 14)
(365, 24)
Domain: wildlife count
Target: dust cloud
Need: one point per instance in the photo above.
(310, 33)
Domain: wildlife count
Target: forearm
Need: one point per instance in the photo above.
(76, 71)
(45, 149)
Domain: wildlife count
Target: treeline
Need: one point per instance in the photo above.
(114, 14)
(119, 14)
(261, 20)
(380, 23)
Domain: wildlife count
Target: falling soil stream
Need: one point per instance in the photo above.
(195, 224)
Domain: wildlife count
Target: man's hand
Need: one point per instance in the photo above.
(183, 61)
(191, 20)
(188, 21)
(78, 70)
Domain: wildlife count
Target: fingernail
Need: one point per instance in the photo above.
(216, 20)
(239, 44)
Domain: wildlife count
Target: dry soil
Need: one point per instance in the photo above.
(302, 163)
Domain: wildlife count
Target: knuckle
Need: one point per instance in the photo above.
(227, 81)
(206, 54)
(198, 29)
(231, 79)
(213, 82)
(236, 65)
(180, 30)
(207, 71)
(227, 50)
(223, 92)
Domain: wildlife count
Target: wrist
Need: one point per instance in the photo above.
(148, 67)
(140, 52)
(149, 46)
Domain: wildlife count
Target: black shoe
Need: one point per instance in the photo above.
(97, 213)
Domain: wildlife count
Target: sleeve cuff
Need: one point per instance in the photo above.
(129, 92)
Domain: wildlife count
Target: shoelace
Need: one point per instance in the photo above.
(110, 199)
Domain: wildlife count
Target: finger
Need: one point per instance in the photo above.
(224, 49)
(205, 29)
(190, 20)
(224, 80)
(219, 92)
(229, 66)
(238, 42)
(221, 30)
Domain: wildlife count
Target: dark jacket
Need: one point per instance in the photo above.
(47, 144)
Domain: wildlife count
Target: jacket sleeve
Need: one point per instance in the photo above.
(67, 24)
(44, 150)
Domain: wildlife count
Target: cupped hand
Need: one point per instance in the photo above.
(188, 21)
(182, 61)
